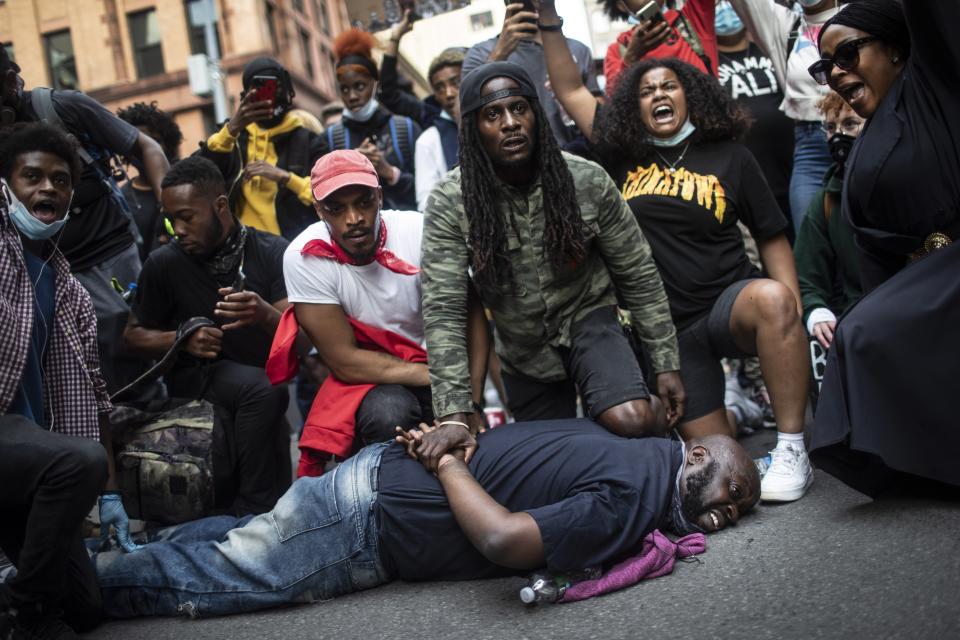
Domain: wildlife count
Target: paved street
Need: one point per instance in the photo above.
(833, 565)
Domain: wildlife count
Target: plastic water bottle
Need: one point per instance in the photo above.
(547, 588)
(542, 588)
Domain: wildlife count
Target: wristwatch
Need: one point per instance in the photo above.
(550, 27)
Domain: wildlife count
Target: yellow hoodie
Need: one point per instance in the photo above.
(258, 202)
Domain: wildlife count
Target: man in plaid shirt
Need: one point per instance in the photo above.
(53, 398)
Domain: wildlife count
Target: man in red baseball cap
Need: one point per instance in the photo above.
(354, 280)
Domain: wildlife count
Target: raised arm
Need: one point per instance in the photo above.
(399, 102)
(769, 25)
(328, 329)
(565, 78)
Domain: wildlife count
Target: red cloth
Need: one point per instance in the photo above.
(699, 14)
(329, 427)
(656, 558)
(331, 250)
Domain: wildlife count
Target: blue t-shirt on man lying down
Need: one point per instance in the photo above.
(593, 495)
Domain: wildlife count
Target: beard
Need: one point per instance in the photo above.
(693, 501)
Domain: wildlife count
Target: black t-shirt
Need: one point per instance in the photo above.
(690, 219)
(748, 77)
(100, 230)
(593, 495)
(175, 286)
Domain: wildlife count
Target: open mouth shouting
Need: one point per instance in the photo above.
(663, 114)
(853, 92)
(44, 210)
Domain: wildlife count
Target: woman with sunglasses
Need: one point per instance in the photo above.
(669, 136)
(790, 41)
(887, 404)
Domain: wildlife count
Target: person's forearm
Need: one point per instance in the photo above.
(363, 366)
(777, 258)
(504, 538)
(149, 343)
(478, 345)
(154, 162)
(106, 439)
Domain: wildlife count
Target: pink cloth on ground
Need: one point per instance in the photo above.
(656, 558)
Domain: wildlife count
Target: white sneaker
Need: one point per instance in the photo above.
(788, 477)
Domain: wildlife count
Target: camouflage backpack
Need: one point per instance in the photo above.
(164, 464)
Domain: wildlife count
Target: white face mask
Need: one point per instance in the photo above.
(364, 113)
(685, 131)
(26, 223)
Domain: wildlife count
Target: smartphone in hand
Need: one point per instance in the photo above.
(264, 89)
(650, 11)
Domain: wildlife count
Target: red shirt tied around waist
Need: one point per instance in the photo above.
(353, 279)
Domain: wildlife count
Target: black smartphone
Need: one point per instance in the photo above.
(527, 6)
(651, 12)
(412, 6)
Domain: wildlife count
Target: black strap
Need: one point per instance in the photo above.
(41, 99)
(793, 35)
(184, 331)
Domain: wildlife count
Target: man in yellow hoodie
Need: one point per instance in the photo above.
(265, 152)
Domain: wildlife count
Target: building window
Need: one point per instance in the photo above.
(480, 21)
(145, 39)
(307, 53)
(60, 60)
(322, 20)
(271, 19)
(196, 18)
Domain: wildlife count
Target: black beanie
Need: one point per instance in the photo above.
(883, 19)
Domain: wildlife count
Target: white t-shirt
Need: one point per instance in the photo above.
(369, 293)
(430, 164)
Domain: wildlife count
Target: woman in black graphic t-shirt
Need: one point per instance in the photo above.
(669, 138)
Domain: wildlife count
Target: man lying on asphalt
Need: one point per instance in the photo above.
(567, 494)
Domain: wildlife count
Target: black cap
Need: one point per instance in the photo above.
(263, 66)
(6, 62)
(472, 84)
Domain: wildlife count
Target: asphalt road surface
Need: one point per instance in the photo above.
(832, 565)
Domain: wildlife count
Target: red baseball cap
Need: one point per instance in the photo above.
(339, 169)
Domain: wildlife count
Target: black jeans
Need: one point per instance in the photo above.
(48, 483)
(251, 450)
(388, 406)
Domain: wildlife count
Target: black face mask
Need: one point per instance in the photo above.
(840, 145)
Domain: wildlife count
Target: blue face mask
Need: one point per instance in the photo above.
(808, 3)
(364, 113)
(24, 221)
(727, 22)
(684, 132)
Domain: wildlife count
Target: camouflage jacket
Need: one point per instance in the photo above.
(534, 317)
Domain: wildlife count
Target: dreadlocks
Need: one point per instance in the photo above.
(563, 227)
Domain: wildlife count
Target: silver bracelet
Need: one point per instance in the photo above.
(457, 422)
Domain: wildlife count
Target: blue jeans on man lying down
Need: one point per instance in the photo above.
(320, 541)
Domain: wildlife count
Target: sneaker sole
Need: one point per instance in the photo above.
(786, 496)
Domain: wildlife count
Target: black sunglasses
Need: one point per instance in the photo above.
(847, 56)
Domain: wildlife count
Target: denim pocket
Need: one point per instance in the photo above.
(310, 504)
